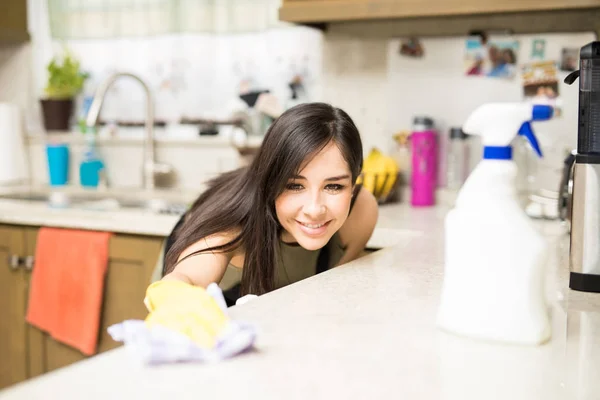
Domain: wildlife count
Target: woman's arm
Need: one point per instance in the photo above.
(357, 230)
(204, 268)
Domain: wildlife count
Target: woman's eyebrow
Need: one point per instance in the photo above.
(337, 178)
(333, 178)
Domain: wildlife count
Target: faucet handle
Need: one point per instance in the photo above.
(102, 179)
(162, 168)
(160, 174)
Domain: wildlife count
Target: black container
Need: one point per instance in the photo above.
(584, 201)
(57, 114)
(588, 132)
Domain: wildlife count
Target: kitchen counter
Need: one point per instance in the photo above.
(140, 221)
(367, 330)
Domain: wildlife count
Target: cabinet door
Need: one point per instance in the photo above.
(319, 11)
(13, 299)
(131, 262)
(35, 337)
(13, 21)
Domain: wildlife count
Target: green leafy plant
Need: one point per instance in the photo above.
(65, 78)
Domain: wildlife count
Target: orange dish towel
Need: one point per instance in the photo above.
(67, 285)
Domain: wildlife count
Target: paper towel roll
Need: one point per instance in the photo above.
(12, 147)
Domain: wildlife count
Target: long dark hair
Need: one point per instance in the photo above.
(243, 200)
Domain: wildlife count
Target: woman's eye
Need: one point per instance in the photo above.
(294, 187)
(334, 187)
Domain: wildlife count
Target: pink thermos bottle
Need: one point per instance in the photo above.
(424, 162)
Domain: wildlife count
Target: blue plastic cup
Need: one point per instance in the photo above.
(58, 164)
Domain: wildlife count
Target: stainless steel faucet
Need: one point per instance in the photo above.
(150, 169)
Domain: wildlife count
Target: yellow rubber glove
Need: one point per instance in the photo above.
(187, 309)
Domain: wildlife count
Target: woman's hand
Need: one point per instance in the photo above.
(186, 309)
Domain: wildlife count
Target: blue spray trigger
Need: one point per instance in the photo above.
(541, 112)
(526, 131)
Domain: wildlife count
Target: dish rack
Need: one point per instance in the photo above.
(393, 196)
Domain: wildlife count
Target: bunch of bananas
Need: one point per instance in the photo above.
(379, 174)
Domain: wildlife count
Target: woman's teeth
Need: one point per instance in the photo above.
(312, 226)
(313, 230)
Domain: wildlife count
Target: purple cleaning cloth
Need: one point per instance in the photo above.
(160, 345)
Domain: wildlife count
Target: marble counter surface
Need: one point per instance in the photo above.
(366, 330)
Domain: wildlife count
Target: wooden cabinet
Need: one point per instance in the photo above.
(323, 11)
(131, 262)
(13, 21)
(13, 295)
(28, 352)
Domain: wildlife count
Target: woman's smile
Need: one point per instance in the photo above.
(313, 229)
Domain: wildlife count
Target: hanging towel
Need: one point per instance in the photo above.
(67, 285)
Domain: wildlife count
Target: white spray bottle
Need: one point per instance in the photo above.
(494, 269)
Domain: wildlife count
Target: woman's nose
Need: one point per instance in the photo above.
(315, 208)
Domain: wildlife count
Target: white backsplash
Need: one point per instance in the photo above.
(355, 79)
(379, 89)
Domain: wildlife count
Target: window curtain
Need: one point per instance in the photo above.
(195, 74)
(102, 19)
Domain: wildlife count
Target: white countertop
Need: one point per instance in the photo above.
(139, 221)
(366, 330)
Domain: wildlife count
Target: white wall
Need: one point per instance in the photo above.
(383, 91)
(15, 75)
(436, 85)
(355, 79)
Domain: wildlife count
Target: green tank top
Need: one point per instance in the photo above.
(295, 264)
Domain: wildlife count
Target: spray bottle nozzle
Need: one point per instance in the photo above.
(526, 131)
(540, 112)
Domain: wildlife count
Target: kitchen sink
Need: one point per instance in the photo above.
(102, 201)
(26, 196)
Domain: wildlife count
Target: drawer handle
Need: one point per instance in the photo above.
(14, 261)
(29, 261)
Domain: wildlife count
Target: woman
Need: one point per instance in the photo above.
(294, 212)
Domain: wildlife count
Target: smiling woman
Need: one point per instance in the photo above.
(316, 204)
(294, 212)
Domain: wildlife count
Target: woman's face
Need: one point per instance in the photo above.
(316, 203)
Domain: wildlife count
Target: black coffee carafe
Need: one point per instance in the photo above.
(584, 257)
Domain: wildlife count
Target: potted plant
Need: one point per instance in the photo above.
(65, 81)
